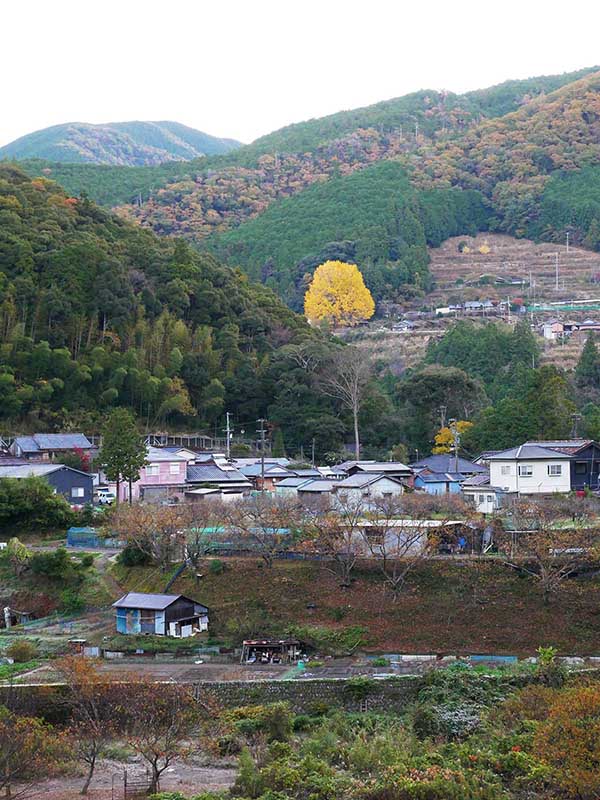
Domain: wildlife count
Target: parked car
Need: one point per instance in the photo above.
(106, 497)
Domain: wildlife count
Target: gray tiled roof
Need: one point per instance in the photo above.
(153, 602)
(363, 479)
(444, 462)
(317, 486)
(26, 470)
(53, 441)
(210, 473)
(271, 470)
(529, 452)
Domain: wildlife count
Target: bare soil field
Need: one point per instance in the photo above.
(189, 779)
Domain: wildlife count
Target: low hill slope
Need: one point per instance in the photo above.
(123, 143)
(97, 313)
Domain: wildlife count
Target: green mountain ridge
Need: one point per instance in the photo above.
(117, 143)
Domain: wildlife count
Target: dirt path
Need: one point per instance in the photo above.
(189, 779)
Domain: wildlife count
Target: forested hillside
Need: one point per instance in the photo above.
(385, 228)
(124, 143)
(96, 312)
(375, 185)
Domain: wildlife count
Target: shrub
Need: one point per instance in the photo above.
(531, 703)
(71, 601)
(22, 651)
(569, 741)
(380, 661)
(132, 556)
(358, 688)
(216, 566)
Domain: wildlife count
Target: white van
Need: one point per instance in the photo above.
(106, 497)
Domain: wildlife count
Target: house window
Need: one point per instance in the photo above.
(490, 498)
(174, 469)
(77, 491)
(554, 469)
(505, 470)
(387, 495)
(151, 469)
(580, 467)
(525, 470)
(481, 498)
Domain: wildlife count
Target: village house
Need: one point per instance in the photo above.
(584, 455)
(162, 477)
(215, 476)
(484, 498)
(393, 469)
(50, 446)
(446, 462)
(438, 482)
(530, 469)
(76, 487)
(365, 487)
(160, 614)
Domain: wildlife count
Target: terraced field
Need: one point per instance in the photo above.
(472, 274)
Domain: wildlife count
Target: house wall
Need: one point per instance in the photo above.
(585, 468)
(441, 487)
(540, 482)
(65, 480)
(377, 489)
(164, 479)
(483, 501)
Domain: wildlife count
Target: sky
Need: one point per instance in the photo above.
(243, 68)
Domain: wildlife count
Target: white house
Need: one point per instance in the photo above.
(366, 487)
(530, 469)
(484, 497)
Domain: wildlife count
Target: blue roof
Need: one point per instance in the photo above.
(440, 477)
(53, 441)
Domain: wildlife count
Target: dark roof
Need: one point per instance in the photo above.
(564, 445)
(53, 441)
(444, 462)
(528, 452)
(482, 479)
(211, 473)
(440, 477)
(153, 602)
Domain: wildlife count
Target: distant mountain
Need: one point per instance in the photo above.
(129, 144)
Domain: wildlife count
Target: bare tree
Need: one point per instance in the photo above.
(89, 702)
(346, 377)
(333, 531)
(158, 531)
(399, 538)
(267, 521)
(547, 542)
(160, 721)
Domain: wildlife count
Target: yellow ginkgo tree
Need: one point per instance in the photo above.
(338, 295)
(444, 438)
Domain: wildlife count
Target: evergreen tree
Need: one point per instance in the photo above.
(587, 371)
(123, 451)
(278, 444)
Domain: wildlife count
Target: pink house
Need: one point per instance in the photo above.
(162, 477)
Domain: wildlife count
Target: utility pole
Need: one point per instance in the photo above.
(261, 430)
(567, 241)
(456, 442)
(508, 309)
(312, 461)
(227, 430)
(442, 410)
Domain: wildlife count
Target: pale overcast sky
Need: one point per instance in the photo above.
(242, 68)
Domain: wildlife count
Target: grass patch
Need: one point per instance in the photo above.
(8, 671)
